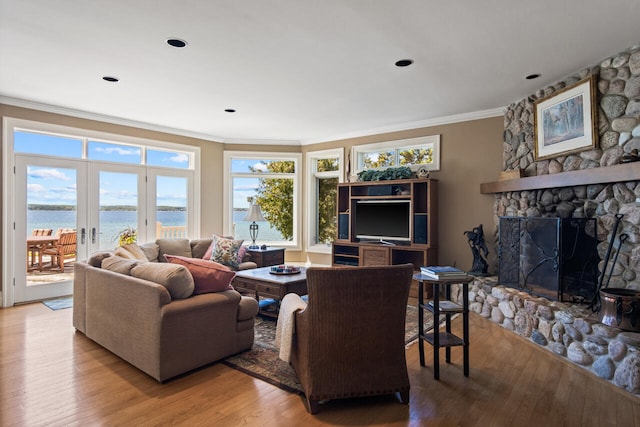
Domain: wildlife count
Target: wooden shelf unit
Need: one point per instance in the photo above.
(421, 250)
(447, 308)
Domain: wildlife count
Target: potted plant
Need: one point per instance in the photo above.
(127, 236)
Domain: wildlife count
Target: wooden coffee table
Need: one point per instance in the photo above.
(261, 283)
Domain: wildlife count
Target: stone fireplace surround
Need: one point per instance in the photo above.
(569, 330)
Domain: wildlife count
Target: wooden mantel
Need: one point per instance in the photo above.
(602, 175)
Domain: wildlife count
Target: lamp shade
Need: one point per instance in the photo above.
(254, 214)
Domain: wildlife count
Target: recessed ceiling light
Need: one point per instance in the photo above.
(230, 110)
(176, 42)
(404, 62)
(110, 79)
(533, 76)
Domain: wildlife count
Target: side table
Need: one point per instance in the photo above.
(447, 307)
(267, 257)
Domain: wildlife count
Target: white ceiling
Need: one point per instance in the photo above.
(301, 71)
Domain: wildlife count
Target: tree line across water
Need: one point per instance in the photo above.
(36, 207)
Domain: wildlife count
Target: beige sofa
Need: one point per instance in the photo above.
(138, 320)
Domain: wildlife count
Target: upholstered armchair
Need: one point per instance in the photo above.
(349, 340)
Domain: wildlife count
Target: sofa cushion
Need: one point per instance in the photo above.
(132, 251)
(199, 248)
(208, 276)
(151, 250)
(176, 278)
(119, 264)
(225, 251)
(123, 253)
(180, 247)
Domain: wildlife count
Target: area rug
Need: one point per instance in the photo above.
(262, 360)
(59, 303)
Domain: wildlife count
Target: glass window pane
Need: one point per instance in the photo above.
(262, 166)
(378, 159)
(327, 165)
(416, 156)
(172, 159)
(51, 208)
(50, 145)
(326, 210)
(263, 192)
(117, 153)
(171, 207)
(118, 204)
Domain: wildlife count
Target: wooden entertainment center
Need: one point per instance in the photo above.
(419, 247)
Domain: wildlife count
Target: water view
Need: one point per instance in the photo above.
(113, 221)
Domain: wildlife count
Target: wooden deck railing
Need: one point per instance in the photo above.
(170, 231)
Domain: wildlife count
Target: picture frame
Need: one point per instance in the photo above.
(565, 122)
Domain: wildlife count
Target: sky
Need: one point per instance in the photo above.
(57, 185)
(243, 188)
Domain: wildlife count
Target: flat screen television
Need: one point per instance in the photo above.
(386, 220)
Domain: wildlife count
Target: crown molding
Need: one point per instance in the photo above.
(244, 141)
(105, 118)
(446, 120)
(465, 117)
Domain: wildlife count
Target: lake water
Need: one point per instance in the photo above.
(112, 222)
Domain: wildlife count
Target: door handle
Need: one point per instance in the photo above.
(93, 235)
(82, 236)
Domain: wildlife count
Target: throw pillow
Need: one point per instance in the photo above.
(95, 260)
(225, 251)
(208, 276)
(119, 264)
(242, 252)
(176, 278)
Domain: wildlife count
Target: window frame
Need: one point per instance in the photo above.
(12, 124)
(431, 141)
(227, 183)
(312, 197)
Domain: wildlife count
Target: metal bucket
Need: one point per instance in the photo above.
(620, 308)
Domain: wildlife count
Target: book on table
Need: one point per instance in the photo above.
(446, 305)
(442, 272)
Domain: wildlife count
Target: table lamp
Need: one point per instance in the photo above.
(254, 214)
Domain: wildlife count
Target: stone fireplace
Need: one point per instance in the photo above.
(549, 257)
(550, 317)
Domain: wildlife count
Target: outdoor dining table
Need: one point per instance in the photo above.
(36, 244)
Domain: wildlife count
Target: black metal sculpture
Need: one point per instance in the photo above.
(479, 249)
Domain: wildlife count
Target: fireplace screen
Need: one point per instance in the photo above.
(550, 257)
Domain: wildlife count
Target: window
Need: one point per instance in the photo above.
(422, 152)
(169, 168)
(171, 159)
(270, 180)
(46, 144)
(324, 171)
(117, 153)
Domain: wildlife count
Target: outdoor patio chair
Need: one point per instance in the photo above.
(349, 340)
(64, 248)
(34, 250)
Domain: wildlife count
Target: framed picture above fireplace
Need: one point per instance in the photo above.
(565, 122)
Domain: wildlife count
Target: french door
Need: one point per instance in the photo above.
(94, 200)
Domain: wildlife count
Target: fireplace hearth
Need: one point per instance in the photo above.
(555, 258)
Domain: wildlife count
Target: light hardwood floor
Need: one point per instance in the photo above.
(52, 376)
